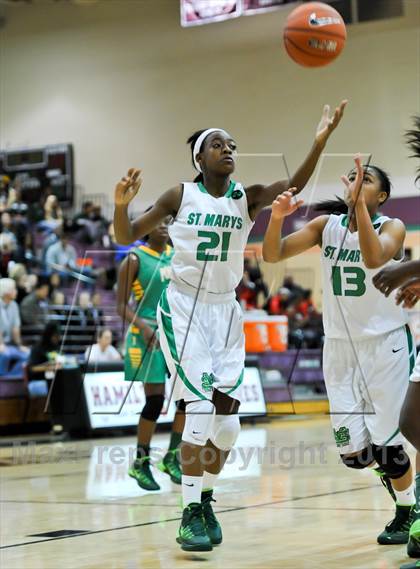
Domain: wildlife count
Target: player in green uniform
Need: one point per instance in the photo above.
(145, 273)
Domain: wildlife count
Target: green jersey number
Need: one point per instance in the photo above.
(212, 240)
(354, 281)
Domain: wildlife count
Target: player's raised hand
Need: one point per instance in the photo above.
(409, 293)
(354, 188)
(284, 204)
(127, 187)
(327, 124)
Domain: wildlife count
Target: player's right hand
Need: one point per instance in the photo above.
(127, 187)
(150, 337)
(284, 205)
(409, 293)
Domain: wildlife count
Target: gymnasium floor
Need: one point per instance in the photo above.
(293, 508)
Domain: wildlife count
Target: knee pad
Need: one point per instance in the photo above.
(199, 418)
(360, 460)
(226, 429)
(153, 407)
(393, 460)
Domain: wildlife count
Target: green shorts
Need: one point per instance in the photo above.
(140, 363)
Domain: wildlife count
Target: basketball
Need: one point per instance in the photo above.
(315, 34)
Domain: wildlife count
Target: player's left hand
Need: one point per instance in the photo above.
(327, 124)
(354, 188)
(390, 278)
(409, 294)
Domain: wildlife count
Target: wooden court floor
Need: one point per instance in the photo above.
(284, 501)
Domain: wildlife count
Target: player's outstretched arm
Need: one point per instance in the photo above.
(276, 248)
(260, 196)
(127, 231)
(391, 278)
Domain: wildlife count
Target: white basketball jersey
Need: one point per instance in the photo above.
(352, 307)
(209, 236)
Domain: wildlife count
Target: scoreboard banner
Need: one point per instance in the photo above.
(199, 12)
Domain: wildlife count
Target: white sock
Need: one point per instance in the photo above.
(209, 480)
(191, 489)
(405, 497)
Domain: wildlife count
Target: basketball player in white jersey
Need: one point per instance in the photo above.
(200, 322)
(369, 351)
(407, 277)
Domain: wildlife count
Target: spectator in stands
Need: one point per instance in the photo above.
(61, 255)
(252, 291)
(42, 358)
(8, 253)
(96, 310)
(277, 303)
(18, 272)
(103, 350)
(305, 305)
(53, 213)
(34, 308)
(12, 353)
(54, 286)
(80, 218)
(296, 291)
(6, 227)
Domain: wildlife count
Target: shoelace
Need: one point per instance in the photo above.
(210, 516)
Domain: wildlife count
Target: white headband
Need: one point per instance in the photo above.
(200, 141)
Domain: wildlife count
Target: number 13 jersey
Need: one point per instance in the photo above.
(209, 236)
(352, 307)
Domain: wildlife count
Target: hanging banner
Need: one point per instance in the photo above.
(259, 6)
(199, 12)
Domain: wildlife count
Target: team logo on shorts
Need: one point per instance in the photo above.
(207, 380)
(342, 436)
(237, 194)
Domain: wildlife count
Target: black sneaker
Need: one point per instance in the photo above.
(214, 531)
(192, 535)
(397, 531)
(140, 471)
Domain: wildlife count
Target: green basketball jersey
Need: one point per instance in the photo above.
(153, 276)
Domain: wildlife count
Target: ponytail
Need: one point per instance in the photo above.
(332, 207)
(413, 140)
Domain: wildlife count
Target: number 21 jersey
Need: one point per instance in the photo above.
(352, 307)
(209, 236)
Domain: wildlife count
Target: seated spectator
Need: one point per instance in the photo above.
(96, 310)
(61, 255)
(55, 286)
(277, 304)
(305, 305)
(18, 272)
(103, 351)
(8, 253)
(296, 291)
(12, 353)
(42, 358)
(34, 307)
(6, 227)
(89, 315)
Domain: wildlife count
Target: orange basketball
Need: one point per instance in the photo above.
(315, 34)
